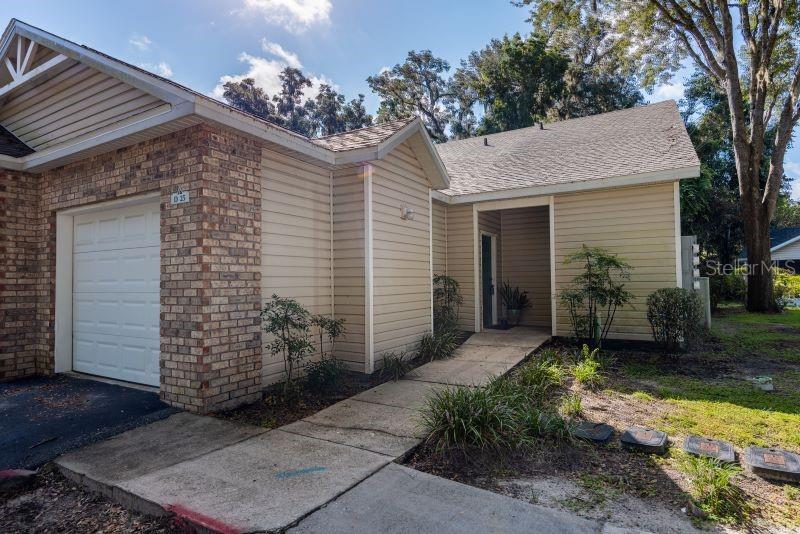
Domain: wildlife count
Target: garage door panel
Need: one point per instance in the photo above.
(126, 270)
(135, 315)
(116, 293)
(125, 228)
(117, 357)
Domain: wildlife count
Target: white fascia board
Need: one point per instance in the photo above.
(571, 187)
(219, 113)
(141, 80)
(12, 164)
(785, 243)
(49, 158)
(441, 197)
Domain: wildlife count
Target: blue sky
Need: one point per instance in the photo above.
(201, 43)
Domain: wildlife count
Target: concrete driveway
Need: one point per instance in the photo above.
(44, 417)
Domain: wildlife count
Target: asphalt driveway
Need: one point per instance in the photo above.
(41, 418)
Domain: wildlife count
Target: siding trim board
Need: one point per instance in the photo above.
(369, 312)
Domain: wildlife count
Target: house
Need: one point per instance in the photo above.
(144, 224)
(784, 244)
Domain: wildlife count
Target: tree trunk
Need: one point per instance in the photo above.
(760, 296)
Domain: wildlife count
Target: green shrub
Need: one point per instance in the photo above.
(786, 286)
(438, 346)
(325, 377)
(727, 288)
(464, 418)
(675, 316)
(395, 365)
(447, 302)
(713, 491)
(599, 287)
(288, 324)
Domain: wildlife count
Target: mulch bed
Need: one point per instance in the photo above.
(54, 504)
(274, 410)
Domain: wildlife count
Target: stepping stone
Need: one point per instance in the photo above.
(596, 432)
(712, 448)
(773, 463)
(646, 440)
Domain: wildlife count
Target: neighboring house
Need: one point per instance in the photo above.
(144, 224)
(784, 244)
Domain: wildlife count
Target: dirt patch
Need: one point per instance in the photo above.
(54, 504)
(275, 410)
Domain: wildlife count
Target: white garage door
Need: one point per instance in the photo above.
(115, 300)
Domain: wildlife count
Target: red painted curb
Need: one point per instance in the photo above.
(202, 520)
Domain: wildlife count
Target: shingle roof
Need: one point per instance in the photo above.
(11, 146)
(620, 143)
(363, 137)
(777, 237)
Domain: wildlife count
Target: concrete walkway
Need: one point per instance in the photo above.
(232, 478)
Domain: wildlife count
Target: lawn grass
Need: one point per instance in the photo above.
(731, 407)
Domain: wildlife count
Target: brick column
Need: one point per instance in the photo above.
(19, 274)
(211, 276)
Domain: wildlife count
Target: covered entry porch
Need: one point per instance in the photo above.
(514, 249)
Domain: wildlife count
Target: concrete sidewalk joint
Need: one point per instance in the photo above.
(225, 477)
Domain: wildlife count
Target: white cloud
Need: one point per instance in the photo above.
(161, 68)
(792, 168)
(293, 15)
(668, 91)
(266, 70)
(142, 42)
(290, 58)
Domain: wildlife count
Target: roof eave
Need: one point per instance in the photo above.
(415, 133)
(785, 243)
(669, 175)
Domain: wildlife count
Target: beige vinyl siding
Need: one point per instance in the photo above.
(789, 252)
(460, 258)
(348, 263)
(439, 238)
(296, 239)
(401, 253)
(638, 223)
(489, 222)
(76, 103)
(526, 259)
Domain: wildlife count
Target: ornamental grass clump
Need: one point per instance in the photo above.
(713, 490)
(463, 418)
(588, 370)
(510, 412)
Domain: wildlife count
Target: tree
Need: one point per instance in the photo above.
(600, 76)
(288, 103)
(517, 80)
(246, 96)
(416, 87)
(749, 50)
(354, 114)
(327, 113)
(709, 204)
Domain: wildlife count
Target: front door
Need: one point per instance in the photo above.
(488, 280)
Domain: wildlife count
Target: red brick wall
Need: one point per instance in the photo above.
(19, 240)
(210, 258)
